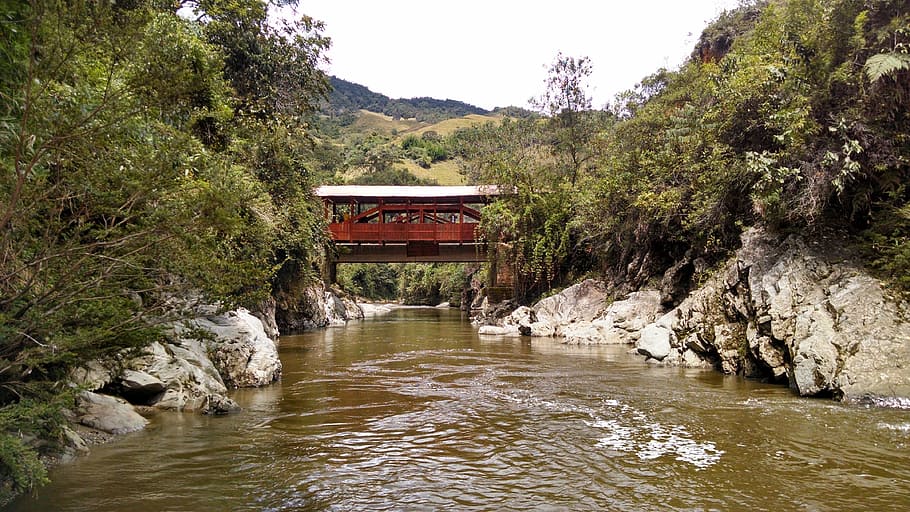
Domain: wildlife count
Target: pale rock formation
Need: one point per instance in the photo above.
(241, 351)
(580, 314)
(194, 368)
(107, 413)
(621, 322)
(793, 311)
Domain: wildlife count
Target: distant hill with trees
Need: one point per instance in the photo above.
(347, 98)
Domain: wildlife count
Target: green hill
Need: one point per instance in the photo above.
(367, 133)
(349, 98)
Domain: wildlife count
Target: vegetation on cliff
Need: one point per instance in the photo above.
(144, 153)
(791, 113)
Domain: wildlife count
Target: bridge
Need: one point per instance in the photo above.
(406, 224)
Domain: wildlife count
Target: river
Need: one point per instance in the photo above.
(415, 411)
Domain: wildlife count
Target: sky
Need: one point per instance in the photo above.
(496, 53)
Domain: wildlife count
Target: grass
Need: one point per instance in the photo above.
(445, 172)
(372, 122)
(449, 126)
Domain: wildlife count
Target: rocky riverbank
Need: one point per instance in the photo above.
(783, 308)
(195, 366)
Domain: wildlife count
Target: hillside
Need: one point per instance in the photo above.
(347, 98)
(367, 133)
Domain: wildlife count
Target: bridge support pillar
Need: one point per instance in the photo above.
(501, 276)
(330, 270)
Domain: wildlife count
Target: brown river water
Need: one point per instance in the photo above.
(415, 411)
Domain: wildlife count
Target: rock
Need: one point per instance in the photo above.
(187, 371)
(74, 441)
(583, 333)
(578, 314)
(493, 313)
(518, 323)
(313, 306)
(218, 404)
(623, 320)
(874, 355)
(770, 354)
(193, 369)
(352, 309)
(241, 351)
(139, 386)
(676, 281)
(784, 309)
(497, 330)
(690, 359)
(373, 309)
(522, 317)
(444, 305)
(107, 413)
(654, 342)
(93, 376)
(584, 301)
(265, 312)
(196, 369)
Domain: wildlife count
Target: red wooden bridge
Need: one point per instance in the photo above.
(373, 224)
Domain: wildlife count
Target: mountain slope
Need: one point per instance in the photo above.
(348, 97)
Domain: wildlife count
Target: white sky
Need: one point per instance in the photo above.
(496, 53)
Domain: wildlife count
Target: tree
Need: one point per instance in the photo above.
(535, 221)
(134, 167)
(567, 104)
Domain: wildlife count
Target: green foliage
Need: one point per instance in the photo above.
(537, 221)
(771, 121)
(889, 63)
(20, 467)
(371, 154)
(273, 66)
(571, 123)
(409, 283)
(886, 64)
(887, 243)
(391, 176)
(431, 284)
(424, 150)
(374, 281)
(142, 155)
(24, 427)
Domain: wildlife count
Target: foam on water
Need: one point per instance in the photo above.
(651, 440)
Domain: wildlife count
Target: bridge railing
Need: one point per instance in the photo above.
(405, 232)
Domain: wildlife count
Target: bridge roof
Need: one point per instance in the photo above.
(468, 194)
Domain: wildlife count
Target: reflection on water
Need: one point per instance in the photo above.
(414, 411)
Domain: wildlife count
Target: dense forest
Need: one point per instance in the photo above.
(145, 155)
(148, 153)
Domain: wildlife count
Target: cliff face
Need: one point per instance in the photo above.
(313, 306)
(786, 309)
(302, 304)
(793, 311)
